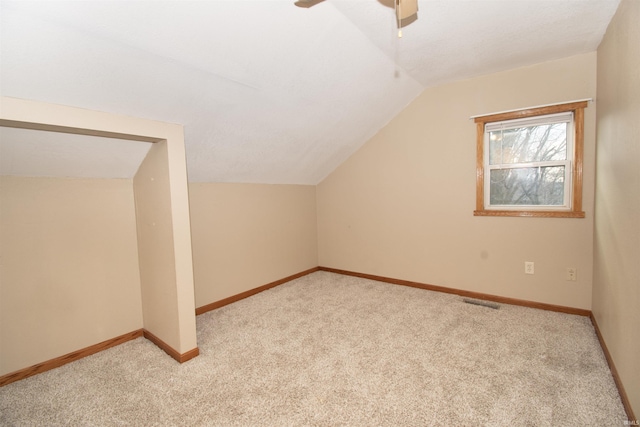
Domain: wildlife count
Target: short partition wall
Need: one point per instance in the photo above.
(161, 231)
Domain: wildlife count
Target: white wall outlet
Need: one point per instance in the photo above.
(572, 274)
(528, 267)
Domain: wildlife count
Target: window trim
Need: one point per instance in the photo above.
(575, 210)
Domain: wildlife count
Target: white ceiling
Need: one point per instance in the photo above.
(268, 92)
(27, 152)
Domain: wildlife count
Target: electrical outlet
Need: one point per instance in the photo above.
(572, 274)
(528, 267)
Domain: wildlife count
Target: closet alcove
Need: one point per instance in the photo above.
(95, 251)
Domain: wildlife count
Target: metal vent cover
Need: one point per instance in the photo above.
(483, 303)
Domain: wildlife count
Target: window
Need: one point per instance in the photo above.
(529, 162)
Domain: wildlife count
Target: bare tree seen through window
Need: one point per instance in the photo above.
(527, 165)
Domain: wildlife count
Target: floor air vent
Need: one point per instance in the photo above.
(487, 304)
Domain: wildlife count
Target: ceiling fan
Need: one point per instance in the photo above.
(405, 9)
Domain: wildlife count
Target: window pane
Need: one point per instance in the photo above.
(528, 186)
(528, 144)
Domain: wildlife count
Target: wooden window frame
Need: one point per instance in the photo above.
(575, 210)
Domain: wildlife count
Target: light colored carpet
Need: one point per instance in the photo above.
(327, 350)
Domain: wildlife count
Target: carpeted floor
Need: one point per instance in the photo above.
(327, 350)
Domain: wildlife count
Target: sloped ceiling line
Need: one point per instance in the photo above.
(269, 92)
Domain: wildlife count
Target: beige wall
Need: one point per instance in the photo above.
(616, 284)
(248, 235)
(402, 206)
(69, 276)
(155, 246)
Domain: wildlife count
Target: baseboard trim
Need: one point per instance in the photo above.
(180, 357)
(88, 351)
(250, 292)
(614, 372)
(68, 358)
(468, 294)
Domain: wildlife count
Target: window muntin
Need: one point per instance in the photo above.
(551, 165)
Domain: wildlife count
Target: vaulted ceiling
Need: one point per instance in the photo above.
(268, 92)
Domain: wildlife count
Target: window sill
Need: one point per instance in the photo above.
(531, 214)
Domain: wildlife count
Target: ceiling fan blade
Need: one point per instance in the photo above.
(307, 3)
(406, 8)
